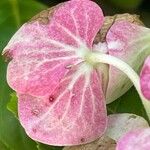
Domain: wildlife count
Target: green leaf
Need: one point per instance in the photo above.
(41, 146)
(12, 105)
(3, 146)
(13, 13)
(128, 103)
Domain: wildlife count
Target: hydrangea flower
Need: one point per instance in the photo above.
(60, 77)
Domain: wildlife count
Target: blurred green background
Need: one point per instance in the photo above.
(13, 13)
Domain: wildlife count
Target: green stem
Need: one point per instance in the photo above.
(124, 67)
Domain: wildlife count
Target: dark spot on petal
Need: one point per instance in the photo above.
(45, 134)
(47, 104)
(73, 95)
(35, 112)
(34, 130)
(59, 117)
(51, 99)
(82, 139)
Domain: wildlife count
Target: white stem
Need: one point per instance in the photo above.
(124, 67)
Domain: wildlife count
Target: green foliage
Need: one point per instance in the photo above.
(12, 105)
(46, 147)
(3, 147)
(128, 103)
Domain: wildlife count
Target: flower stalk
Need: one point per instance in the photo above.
(124, 67)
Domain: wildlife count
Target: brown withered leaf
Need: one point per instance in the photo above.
(110, 20)
(44, 16)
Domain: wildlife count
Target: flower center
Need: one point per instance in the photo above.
(89, 60)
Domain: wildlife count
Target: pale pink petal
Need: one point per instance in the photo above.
(130, 43)
(135, 140)
(42, 52)
(73, 114)
(145, 79)
(72, 21)
(120, 124)
(83, 18)
(37, 76)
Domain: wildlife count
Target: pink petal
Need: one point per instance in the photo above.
(73, 114)
(135, 140)
(145, 79)
(37, 75)
(128, 42)
(41, 52)
(82, 18)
